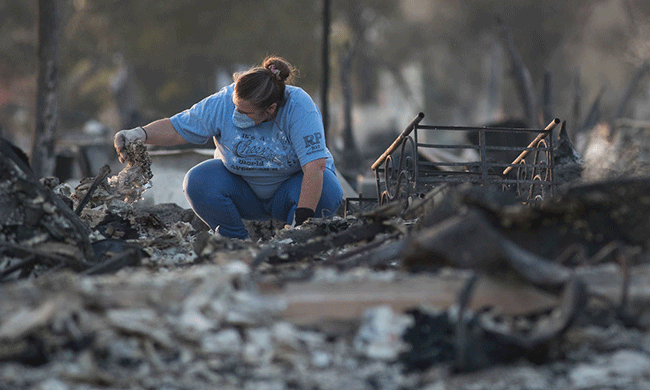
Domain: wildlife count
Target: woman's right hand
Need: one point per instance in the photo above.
(124, 137)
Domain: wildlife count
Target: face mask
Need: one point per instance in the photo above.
(242, 120)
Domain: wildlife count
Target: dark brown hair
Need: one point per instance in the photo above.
(264, 85)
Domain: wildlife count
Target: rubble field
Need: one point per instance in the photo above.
(465, 288)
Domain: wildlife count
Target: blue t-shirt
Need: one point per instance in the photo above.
(264, 155)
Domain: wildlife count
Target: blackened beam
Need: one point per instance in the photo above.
(319, 245)
(103, 172)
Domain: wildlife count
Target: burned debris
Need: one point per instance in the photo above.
(37, 227)
(48, 227)
(448, 286)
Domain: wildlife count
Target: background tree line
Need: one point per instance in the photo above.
(171, 53)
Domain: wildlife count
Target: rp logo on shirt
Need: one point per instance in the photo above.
(312, 140)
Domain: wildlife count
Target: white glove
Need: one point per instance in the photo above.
(124, 137)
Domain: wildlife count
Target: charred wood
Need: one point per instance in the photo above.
(295, 252)
(101, 176)
(379, 253)
(36, 210)
(429, 250)
(125, 258)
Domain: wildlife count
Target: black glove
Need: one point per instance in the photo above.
(302, 214)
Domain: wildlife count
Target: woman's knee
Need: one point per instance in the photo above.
(190, 181)
(200, 179)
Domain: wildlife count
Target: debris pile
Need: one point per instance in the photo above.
(37, 229)
(465, 288)
(47, 227)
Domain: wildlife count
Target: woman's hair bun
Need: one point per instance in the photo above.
(280, 68)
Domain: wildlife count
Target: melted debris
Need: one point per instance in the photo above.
(136, 177)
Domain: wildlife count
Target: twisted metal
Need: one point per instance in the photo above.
(534, 178)
(399, 178)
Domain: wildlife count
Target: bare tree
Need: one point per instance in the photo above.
(351, 157)
(43, 158)
(325, 57)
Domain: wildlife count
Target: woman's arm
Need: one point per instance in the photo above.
(163, 133)
(312, 184)
(160, 132)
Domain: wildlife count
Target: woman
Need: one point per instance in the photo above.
(271, 160)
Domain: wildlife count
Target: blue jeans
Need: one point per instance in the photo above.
(222, 199)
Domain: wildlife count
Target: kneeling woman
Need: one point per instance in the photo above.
(270, 161)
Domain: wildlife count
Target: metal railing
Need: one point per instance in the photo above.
(412, 167)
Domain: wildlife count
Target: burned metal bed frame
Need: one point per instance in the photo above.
(411, 167)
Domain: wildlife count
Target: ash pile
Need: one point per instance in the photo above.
(466, 289)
